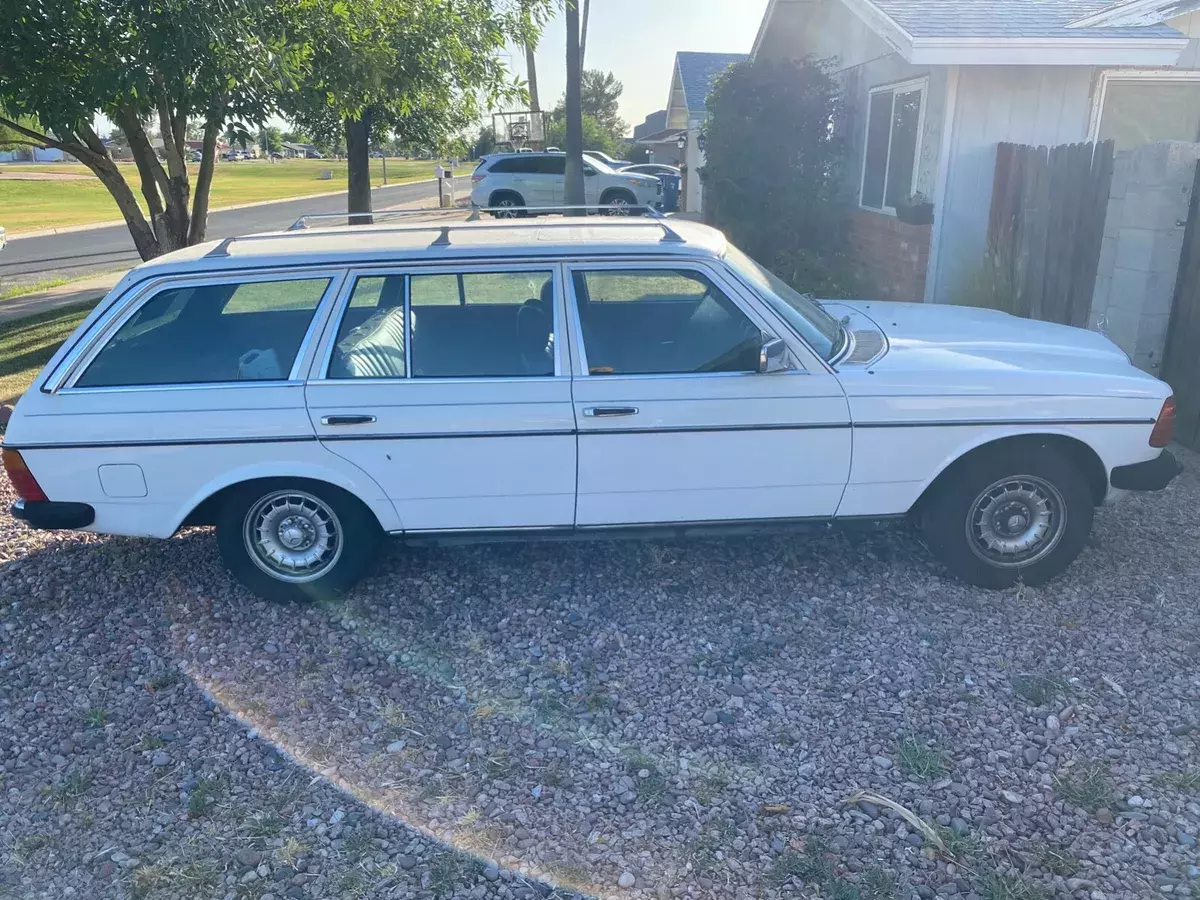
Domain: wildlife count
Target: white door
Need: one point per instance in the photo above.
(445, 385)
(591, 185)
(675, 422)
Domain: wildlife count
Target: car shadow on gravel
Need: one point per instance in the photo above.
(680, 719)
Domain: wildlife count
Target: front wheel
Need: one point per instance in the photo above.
(1017, 514)
(289, 541)
(619, 203)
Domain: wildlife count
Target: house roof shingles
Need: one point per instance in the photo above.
(1007, 19)
(697, 71)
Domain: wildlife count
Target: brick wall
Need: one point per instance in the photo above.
(890, 258)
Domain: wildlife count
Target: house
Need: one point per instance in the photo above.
(932, 86)
(691, 82)
(662, 142)
(300, 151)
(32, 154)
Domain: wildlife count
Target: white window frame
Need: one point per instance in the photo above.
(1107, 76)
(900, 87)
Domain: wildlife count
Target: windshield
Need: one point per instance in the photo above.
(592, 160)
(803, 313)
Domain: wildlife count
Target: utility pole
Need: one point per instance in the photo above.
(574, 111)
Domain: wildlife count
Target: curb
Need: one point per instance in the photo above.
(93, 226)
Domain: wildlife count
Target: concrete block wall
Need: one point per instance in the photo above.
(1143, 239)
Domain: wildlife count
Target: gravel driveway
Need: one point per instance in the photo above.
(632, 720)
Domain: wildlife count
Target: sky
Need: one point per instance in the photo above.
(636, 40)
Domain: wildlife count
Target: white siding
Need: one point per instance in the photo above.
(1022, 104)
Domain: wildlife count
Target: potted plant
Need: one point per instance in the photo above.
(916, 210)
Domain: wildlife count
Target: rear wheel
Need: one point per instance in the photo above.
(299, 540)
(619, 203)
(511, 205)
(1003, 516)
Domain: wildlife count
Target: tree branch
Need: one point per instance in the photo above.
(44, 140)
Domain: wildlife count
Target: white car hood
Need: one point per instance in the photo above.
(936, 336)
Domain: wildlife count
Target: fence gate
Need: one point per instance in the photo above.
(1181, 357)
(1046, 226)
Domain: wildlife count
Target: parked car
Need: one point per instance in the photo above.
(195, 156)
(309, 392)
(506, 182)
(656, 169)
(607, 160)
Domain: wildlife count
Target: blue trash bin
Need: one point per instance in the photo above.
(670, 201)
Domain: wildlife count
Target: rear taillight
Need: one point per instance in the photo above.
(22, 479)
(478, 177)
(1164, 427)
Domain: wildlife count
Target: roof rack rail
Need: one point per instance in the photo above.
(302, 222)
(509, 216)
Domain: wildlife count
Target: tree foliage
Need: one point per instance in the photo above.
(595, 137)
(420, 69)
(139, 61)
(774, 170)
(600, 100)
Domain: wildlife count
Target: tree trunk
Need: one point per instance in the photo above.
(574, 110)
(587, 9)
(358, 158)
(531, 68)
(208, 159)
(144, 239)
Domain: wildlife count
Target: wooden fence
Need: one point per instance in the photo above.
(1181, 362)
(1046, 226)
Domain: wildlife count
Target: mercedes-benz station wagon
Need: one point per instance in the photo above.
(312, 391)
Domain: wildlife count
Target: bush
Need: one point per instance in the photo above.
(773, 176)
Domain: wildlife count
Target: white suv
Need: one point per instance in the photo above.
(309, 392)
(508, 181)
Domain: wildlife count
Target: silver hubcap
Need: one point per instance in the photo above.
(618, 206)
(509, 211)
(1016, 521)
(293, 536)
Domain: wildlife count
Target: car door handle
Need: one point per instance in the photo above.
(347, 420)
(610, 412)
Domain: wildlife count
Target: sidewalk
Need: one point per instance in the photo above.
(64, 295)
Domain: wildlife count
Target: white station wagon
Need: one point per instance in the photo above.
(309, 392)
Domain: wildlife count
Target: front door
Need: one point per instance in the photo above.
(444, 384)
(675, 422)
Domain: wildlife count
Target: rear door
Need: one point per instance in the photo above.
(675, 422)
(447, 385)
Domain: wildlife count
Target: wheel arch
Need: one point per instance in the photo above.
(499, 194)
(1079, 452)
(609, 192)
(204, 506)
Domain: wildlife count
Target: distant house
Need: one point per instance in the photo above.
(32, 154)
(662, 142)
(934, 85)
(691, 82)
(300, 151)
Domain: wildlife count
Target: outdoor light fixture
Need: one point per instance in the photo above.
(682, 142)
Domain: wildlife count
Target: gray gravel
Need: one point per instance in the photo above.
(624, 720)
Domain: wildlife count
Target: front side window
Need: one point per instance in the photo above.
(893, 146)
(467, 325)
(662, 321)
(213, 333)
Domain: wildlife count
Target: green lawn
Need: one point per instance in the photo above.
(27, 344)
(26, 205)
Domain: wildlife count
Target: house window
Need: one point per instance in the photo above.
(893, 144)
(1138, 108)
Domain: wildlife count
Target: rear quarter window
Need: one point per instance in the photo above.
(215, 333)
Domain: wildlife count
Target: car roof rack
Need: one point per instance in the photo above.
(514, 218)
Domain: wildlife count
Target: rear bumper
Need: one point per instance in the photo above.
(1153, 475)
(52, 514)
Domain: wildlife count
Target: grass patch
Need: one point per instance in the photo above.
(357, 845)
(652, 787)
(263, 826)
(27, 344)
(1057, 861)
(810, 864)
(958, 846)
(203, 796)
(179, 878)
(72, 787)
(919, 758)
(1008, 887)
(1038, 689)
(1087, 787)
(448, 870)
(31, 205)
(168, 677)
(95, 717)
(150, 741)
(878, 885)
(20, 290)
(1181, 781)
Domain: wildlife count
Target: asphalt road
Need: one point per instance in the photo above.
(80, 253)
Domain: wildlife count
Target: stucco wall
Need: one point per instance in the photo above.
(1021, 104)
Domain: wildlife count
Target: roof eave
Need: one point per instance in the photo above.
(1072, 51)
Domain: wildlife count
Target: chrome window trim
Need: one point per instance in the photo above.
(320, 375)
(721, 276)
(72, 367)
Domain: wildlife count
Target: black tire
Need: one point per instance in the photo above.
(976, 517)
(614, 199)
(510, 199)
(357, 532)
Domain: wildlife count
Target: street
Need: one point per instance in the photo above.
(76, 254)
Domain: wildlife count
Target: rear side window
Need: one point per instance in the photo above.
(214, 333)
(526, 164)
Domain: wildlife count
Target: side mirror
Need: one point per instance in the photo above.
(773, 357)
(588, 172)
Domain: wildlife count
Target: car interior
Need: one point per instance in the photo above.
(212, 333)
